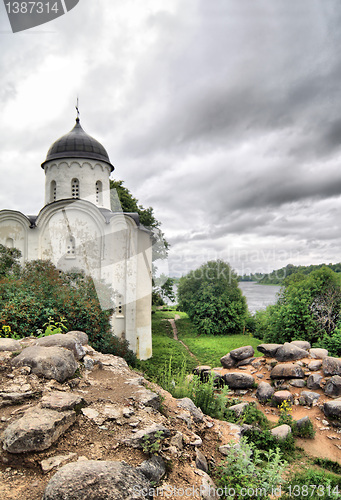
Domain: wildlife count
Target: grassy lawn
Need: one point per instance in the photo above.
(210, 348)
(165, 347)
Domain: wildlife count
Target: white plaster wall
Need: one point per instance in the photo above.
(88, 172)
(15, 226)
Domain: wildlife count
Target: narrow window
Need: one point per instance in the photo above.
(71, 247)
(99, 195)
(75, 188)
(119, 306)
(53, 193)
(9, 243)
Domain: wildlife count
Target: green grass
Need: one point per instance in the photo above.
(164, 348)
(210, 348)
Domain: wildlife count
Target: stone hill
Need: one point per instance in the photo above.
(79, 424)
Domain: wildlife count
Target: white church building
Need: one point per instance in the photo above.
(76, 229)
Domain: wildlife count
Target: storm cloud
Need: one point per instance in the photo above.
(223, 116)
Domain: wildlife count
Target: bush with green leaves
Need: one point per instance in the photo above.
(250, 473)
(313, 484)
(212, 299)
(331, 342)
(308, 308)
(251, 416)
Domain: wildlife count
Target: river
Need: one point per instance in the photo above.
(259, 296)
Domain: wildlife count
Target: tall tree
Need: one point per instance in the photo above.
(212, 299)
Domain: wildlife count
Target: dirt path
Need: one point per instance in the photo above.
(175, 336)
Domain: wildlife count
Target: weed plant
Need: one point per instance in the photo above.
(313, 484)
(248, 473)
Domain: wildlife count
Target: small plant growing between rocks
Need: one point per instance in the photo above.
(52, 327)
(152, 444)
(6, 332)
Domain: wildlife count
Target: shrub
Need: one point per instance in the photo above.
(245, 475)
(331, 342)
(251, 416)
(313, 484)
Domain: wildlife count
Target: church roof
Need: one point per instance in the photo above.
(77, 144)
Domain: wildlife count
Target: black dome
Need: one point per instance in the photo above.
(77, 144)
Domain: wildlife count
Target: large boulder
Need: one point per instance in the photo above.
(332, 409)
(227, 361)
(281, 432)
(81, 337)
(302, 344)
(331, 366)
(264, 392)
(280, 396)
(61, 401)
(10, 345)
(286, 370)
(61, 340)
(36, 430)
(318, 353)
(314, 381)
(49, 362)
(333, 386)
(148, 434)
(315, 365)
(269, 350)
(195, 412)
(242, 353)
(97, 480)
(290, 352)
(236, 380)
(308, 397)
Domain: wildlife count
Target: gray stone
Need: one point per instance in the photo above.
(97, 480)
(264, 392)
(139, 438)
(286, 370)
(88, 363)
(11, 398)
(53, 462)
(208, 488)
(297, 382)
(63, 340)
(315, 365)
(310, 397)
(318, 353)
(245, 362)
(333, 386)
(177, 440)
(81, 337)
(11, 345)
(331, 366)
(281, 432)
(195, 412)
(62, 401)
(154, 469)
(242, 353)
(148, 398)
(332, 409)
(239, 408)
(280, 396)
(198, 370)
(269, 350)
(36, 430)
(302, 422)
(236, 380)
(290, 352)
(200, 461)
(314, 381)
(50, 362)
(302, 344)
(93, 414)
(227, 361)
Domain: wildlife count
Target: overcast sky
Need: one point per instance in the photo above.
(223, 115)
